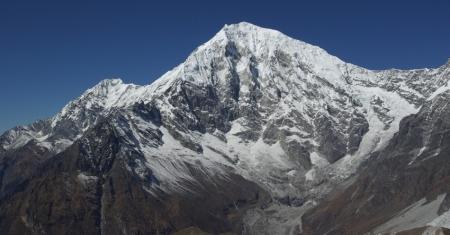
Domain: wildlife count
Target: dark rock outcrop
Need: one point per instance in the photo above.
(87, 189)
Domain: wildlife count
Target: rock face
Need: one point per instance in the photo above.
(253, 129)
(413, 167)
(89, 189)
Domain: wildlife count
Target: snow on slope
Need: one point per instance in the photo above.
(417, 215)
(442, 221)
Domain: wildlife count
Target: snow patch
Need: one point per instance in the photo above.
(416, 215)
(440, 90)
(441, 221)
(86, 179)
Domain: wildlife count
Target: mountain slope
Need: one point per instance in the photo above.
(404, 186)
(88, 189)
(250, 112)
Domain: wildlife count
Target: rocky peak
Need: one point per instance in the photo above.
(448, 63)
(259, 40)
(100, 99)
(107, 93)
(446, 67)
(104, 87)
(247, 44)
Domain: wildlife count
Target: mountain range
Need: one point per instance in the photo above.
(255, 133)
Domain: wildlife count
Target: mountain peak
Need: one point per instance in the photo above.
(106, 86)
(241, 24)
(109, 82)
(247, 43)
(248, 30)
(244, 26)
(261, 42)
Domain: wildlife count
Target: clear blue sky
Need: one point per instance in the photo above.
(51, 51)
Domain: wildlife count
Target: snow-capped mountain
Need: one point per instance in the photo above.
(251, 109)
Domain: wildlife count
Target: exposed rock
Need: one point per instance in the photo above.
(413, 166)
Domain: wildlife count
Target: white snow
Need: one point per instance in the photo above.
(442, 221)
(416, 215)
(439, 91)
(317, 160)
(86, 179)
(311, 174)
(377, 136)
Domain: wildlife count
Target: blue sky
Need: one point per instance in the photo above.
(51, 51)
